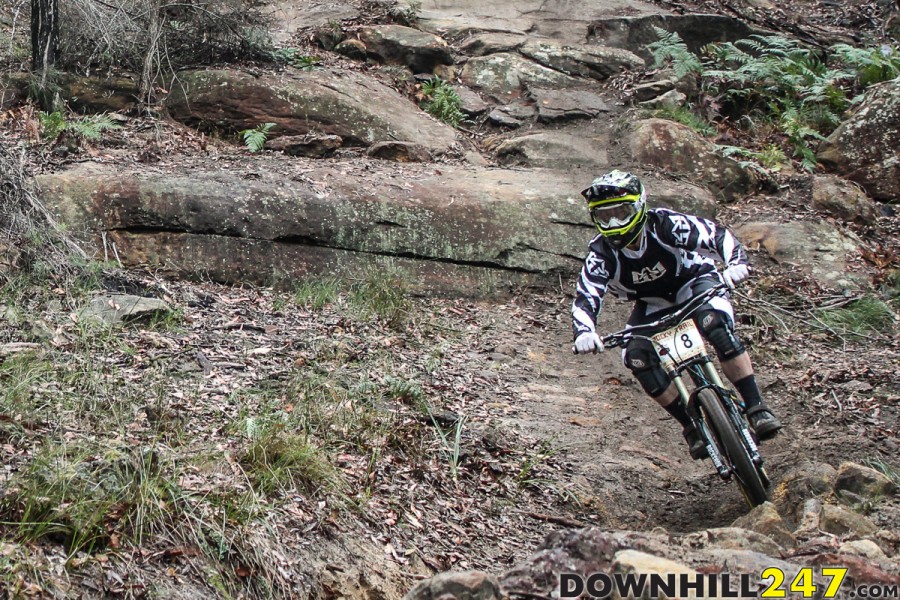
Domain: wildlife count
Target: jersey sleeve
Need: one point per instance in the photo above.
(589, 292)
(700, 235)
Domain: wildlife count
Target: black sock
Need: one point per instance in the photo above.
(749, 391)
(679, 412)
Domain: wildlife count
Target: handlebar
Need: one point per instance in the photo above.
(621, 338)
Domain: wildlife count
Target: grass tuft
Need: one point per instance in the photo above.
(279, 462)
(316, 294)
(866, 315)
(385, 295)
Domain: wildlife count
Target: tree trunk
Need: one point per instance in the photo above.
(44, 34)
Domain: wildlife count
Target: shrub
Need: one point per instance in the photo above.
(293, 57)
(153, 37)
(776, 81)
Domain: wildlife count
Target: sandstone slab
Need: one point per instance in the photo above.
(359, 109)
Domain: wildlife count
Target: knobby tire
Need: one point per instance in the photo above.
(748, 478)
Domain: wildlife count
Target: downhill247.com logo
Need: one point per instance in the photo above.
(823, 583)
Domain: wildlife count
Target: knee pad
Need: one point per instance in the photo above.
(718, 329)
(642, 360)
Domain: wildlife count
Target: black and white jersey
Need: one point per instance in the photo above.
(675, 249)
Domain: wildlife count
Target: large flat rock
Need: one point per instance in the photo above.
(453, 229)
(354, 106)
(558, 19)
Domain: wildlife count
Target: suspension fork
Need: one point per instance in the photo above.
(731, 404)
(701, 378)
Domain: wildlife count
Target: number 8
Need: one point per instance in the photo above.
(686, 340)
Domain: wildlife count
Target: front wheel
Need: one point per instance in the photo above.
(729, 438)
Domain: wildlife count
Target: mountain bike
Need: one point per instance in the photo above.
(714, 409)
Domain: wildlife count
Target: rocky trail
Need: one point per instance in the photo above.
(301, 435)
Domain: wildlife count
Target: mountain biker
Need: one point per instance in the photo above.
(660, 259)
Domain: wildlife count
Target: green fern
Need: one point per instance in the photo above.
(92, 127)
(295, 58)
(52, 124)
(671, 49)
(776, 83)
(255, 139)
(868, 66)
(770, 157)
(442, 101)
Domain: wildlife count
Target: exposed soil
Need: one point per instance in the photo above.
(548, 439)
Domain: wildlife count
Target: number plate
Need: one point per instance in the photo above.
(681, 343)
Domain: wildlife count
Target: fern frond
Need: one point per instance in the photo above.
(52, 124)
(442, 101)
(671, 49)
(92, 127)
(255, 139)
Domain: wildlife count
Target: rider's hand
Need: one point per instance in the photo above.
(588, 341)
(735, 274)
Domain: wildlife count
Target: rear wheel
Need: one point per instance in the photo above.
(746, 473)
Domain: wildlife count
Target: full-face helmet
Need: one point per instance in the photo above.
(617, 202)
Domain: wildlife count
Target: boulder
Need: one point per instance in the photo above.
(352, 48)
(590, 62)
(400, 45)
(765, 519)
(84, 94)
(566, 105)
(866, 548)
(467, 585)
(678, 149)
(671, 99)
(733, 538)
(697, 30)
(639, 563)
(841, 521)
(843, 200)
(355, 107)
(652, 89)
(864, 147)
(123, 308)
(800, 485)
(863, 481)
(311, 145)
(554, 150)
(456, 230)
(506, 74)
(503, 118)
(399, 152)
(583, 551)
(482, 44)
(817, 248)
(470, 102)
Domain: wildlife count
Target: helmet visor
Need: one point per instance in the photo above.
(597, 193)
(613, 216)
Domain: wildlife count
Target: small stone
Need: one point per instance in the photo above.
(352, 48)
(399, 152)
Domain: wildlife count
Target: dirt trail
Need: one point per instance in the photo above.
(625, 458)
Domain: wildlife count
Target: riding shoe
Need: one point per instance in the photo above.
(698, 448)
(763, 422)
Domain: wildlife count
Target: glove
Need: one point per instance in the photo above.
(588, 341)
(735, 274)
